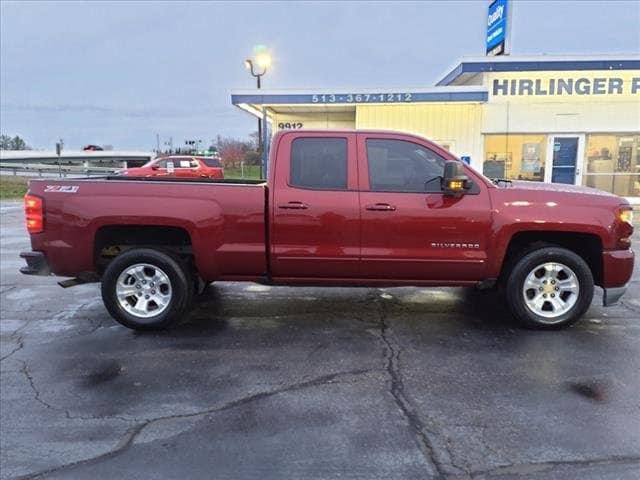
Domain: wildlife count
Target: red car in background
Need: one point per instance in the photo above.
(178, 166)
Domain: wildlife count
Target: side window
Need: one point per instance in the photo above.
(401, 166)
(212, 162)
(319, 163)
(162, 164)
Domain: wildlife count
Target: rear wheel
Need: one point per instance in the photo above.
(549, 287)
(145, 289)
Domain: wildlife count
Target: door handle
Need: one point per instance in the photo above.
(294, 206)
(383, 207)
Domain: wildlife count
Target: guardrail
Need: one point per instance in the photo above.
(47, 170)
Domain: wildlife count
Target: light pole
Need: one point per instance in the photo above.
(59, 147)
(258, 67)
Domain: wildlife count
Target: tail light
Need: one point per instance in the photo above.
(34, 213)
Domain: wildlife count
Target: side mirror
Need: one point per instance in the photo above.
(454, 181)
(155, 167)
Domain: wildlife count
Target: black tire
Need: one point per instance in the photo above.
(526, 265)
(181, 288)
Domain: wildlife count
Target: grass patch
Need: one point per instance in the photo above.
(13, 186)
(250, 171)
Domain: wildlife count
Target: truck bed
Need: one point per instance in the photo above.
(234, 181)
(223, 220)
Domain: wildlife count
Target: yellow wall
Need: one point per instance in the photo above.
(454, 124)
(311, 120)
(616, 112)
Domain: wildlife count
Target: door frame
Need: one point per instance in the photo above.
(548, 164)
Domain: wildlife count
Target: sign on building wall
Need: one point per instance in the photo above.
(552, 85)
(498, 25)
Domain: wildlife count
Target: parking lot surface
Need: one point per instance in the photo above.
(311, 383)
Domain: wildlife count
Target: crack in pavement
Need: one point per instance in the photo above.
(420, 429)
(20, 345)
(36, 392)
(10, 287)
(528, 468)
(626, 304)
(67, 413)
(129, 438)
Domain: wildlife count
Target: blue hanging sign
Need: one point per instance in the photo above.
(497, 27)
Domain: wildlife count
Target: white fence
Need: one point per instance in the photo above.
(47, 170)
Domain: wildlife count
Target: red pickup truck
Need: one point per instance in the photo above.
(339, 208)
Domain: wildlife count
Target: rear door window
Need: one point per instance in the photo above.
(319, 163)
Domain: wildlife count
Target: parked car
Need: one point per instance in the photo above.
(92, 148)
(358, 208)
(178, 166)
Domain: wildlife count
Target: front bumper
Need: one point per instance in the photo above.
(36, 264)
(617, 268)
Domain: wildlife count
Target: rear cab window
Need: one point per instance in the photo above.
(319, 163)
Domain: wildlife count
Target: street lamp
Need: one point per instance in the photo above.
(258, 67)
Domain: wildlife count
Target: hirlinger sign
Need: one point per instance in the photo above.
(566, 86)
(497, 27)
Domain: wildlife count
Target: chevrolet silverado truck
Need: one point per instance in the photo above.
(339, 208)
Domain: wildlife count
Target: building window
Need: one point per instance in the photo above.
(613, 163)
(517, 157)
(319, 163)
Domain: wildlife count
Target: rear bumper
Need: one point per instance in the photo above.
(36, 264)
(612, 295)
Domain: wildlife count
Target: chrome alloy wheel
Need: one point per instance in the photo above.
(550, 290)
(143, 290)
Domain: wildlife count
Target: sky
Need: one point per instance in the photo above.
(118, 73)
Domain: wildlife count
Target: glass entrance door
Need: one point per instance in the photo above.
(565, 159)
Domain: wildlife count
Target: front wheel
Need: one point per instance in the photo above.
(145, 289)
(550, 287)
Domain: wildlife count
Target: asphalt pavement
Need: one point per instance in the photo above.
(311, 383)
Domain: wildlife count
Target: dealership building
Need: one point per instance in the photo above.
(573, 120)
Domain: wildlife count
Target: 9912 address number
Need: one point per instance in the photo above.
(290, 125)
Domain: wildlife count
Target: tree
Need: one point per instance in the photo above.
(5, 142)
(254, 140)
(252, 157)
(19, 144)
(231, 151)
(15, 143)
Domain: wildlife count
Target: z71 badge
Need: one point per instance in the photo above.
(61, 188)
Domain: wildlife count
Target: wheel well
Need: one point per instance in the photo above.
(112, 240)
(586, 245)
